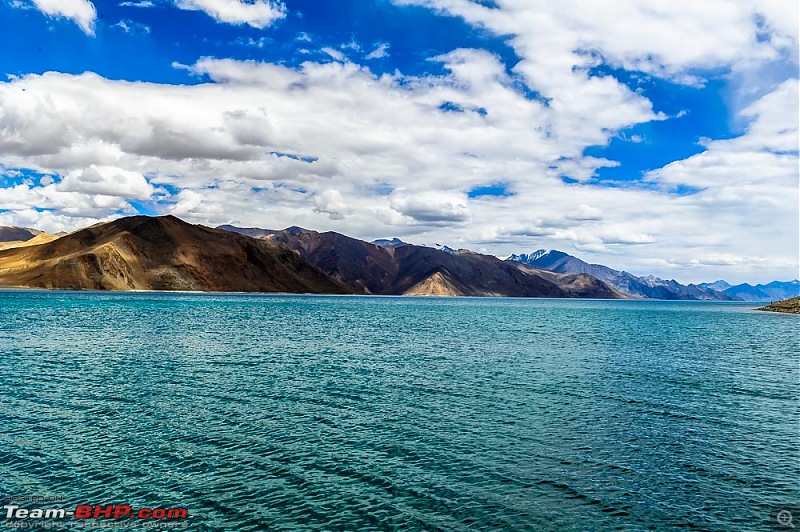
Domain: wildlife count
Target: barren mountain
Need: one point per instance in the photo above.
(418, 270)
(165, 253)
(435, 285)
(647, 287)
(578, 285)
(366, 267)
(17, 234)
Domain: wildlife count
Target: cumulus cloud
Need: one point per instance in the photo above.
(258, 14)
(560, 42)
(82, 12)
(333, 146)
(431, 207)
(750, 182)
(107, 181)
(331, 203)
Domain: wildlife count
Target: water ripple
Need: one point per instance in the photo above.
(342, 413)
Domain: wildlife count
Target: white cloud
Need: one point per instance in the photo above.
(749, 189)
(82, 12)
(381, 51)
(258, 14)
(560, 41)
(332, 146)
(333, 53)
(107, 181)
(431, 207)
(765, 155)
(128, 26)
(331, 203)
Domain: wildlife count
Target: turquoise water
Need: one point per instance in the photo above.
(387, 413)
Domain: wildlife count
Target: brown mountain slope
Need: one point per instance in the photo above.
(470, 273)
(435, 285)
(577, 285)
(417, 270)
(165, 253)
(366, 267)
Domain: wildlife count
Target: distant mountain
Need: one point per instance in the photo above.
(577, 285)
(528, 259)
(719, 286)
(747, 292)
(368, 268)
(647, 287)
(253, 232)
(776, 290)
(17, 234)
(40, 238)
(386, 243)
(781, 289)
(419, 270)
(164, 253)
(442, 247)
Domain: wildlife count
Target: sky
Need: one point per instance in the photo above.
(650, 136)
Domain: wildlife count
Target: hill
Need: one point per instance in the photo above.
(787, 306)
(164, 253)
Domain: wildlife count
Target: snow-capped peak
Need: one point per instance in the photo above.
(527, 258)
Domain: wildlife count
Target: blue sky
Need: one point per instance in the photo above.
(656, 139)
(158, 37)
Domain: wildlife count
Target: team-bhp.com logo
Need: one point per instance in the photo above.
(22, 515)
(88, 511)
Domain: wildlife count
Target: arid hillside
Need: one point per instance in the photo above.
(164, 253)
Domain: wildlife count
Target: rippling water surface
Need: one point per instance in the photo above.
(369, 413)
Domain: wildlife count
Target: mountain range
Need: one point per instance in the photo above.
(15, 237)
(166, 253)
(647, 287)
(393, 267)
(774, 291)
(653, 287)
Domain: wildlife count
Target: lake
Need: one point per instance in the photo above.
(273, 412)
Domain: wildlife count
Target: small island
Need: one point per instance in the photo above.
(787, 306)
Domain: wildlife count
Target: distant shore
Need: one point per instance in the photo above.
(14, 288)
(786, 306)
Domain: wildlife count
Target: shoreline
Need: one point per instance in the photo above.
(785, 306)
(312, 294)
